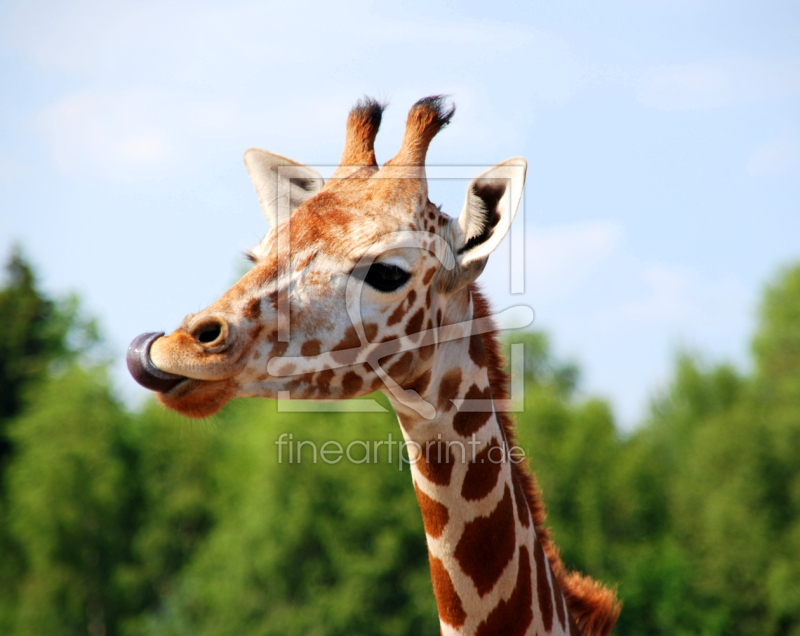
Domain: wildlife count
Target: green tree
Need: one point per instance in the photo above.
(37, 331)
(540, 365)
(776, 348)
(173, 483)
(304, 547)
(724, 450)
(69, 508)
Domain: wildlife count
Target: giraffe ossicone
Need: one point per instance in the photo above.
(362, 284)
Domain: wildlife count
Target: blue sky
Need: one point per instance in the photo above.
(663, 141)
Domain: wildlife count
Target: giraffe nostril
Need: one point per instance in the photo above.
(209, 331)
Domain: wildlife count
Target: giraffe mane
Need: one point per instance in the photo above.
(593, 607)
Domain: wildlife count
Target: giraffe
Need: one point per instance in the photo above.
(363, 284)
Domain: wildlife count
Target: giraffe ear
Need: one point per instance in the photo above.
(282, 184)
(491, 205)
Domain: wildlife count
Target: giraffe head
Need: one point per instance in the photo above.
(348, 288)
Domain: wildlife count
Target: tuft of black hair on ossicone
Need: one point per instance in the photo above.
(441, 105)
(370, 109)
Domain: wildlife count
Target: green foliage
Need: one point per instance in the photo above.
(777, 344)
(37, 331)
(146, 524)
(68, 508)
(306, 548)
(540, 365)
(172, 482)
(37, 334)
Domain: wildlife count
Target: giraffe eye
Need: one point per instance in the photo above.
(386, 277)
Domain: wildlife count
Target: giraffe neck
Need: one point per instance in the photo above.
(490, 572)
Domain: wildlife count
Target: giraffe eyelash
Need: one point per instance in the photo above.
(250, 256)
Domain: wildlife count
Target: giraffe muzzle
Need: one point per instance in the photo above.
(143, 370)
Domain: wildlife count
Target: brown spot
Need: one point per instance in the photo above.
(414, 325)
(279, 348)
(522, 503)
(273, 299)
(399, 370)
(439, 317)
(426, 351)
(448, 389)
(370, 331)
(397, 314)
(421, 383)
(255, 332)
(252, 310)
(543, 587)
(513, 616)
(286, 369)
(482, 473)
(405, 304)
(451, 611)
(434, 514)
(347, 349)
(428, 275)
(486, 546)
(310, 348)
(306, 378)
(349, 341)
(476, 351)
(436, 462)
(351, 383)
(294, 387)
(323, 380)
(468, 422)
